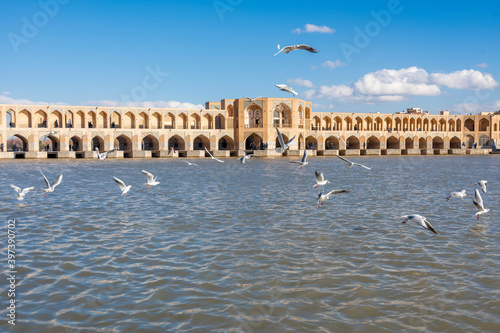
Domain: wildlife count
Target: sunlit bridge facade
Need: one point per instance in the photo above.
(233, 127)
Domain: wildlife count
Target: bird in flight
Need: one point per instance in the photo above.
(51, 187)
(212, 156)
(323, 197)
(103, 156)
(21, 193)
(482, 184)
(283, 146)
(151, 179)
(303, 161)
(286, 88)
(478, 202)
(243, 159)
(419, 220)
(320, 179)
(290, 48)
(460, 194)
(351, 164)
(122, 186)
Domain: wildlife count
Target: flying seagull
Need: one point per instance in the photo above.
(103, 156)
(151, 179)
(478, 201)
(51, 187)
(419, 220)
(286, 88)
(323, 197)
(460, 195)
(21, 193)
(122, 185)
(283, 147)
(288, 49)
(482, 184)
(303, 161)
(243, 159)
(320, 179)
(189, 163)
(352, 163)
(213, 157)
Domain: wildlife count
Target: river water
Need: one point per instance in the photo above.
(226, 247)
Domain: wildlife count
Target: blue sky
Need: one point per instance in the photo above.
(374, 56)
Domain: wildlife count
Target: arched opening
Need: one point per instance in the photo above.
(41, 119)
(316, 125)
(368, 125)
(128, 121)
(455, 143)
(194, 121)
(373, 143)
(348, 124)
(220, 122)
(75, 144)
(282, 116)
(393, 143)
(301, 117)
(409, 143)
(419, 124)
(17, 143)
(156, 121)
(378, 124)
(10, 118)
(426, 125)
(469, 141)
(311, 143)
(102, 120)
(332, 143)
(327, 123)
(253, 142)
(150, 143)
(469, 125)
(412, 124)
(285, 139)
(230, 111)
(437, 143)
(116, 120)
(388, 124)
(352, 142)
(206, 122)
(176, 142)
(337, 124)
(226, 143)
(442, 125)
(484, 141)
(359, 124)
(49, 143)
(169, 121)
(92, 120)
(422, 143)
(398, 124)
(143, 120)
(55, 119)
(70, 119)
(459, 125)
(123, 142)
(98, 142)
(23, 119)
(201, 142)
(184, 120)
(484, 125)
(434, 125)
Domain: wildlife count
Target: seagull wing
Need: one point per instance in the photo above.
(149, 175)
(120, 183)
(319, 176)
(290, 141)
(343, 159)
(332, 192)
(26, 190)
(308, 48)
(304, 157)
(280, 138)
(361, 165)
(47, 184)
(243, 159)
(208, 152)
(280, 51)
(478, 201)
(110, 151)
(217, 159)
(57, 181)
(17, 189)
(428, 225)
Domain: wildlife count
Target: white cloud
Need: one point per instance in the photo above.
(6, 93)
(309, 28)
(333, 64)
(300, 82)
(471, 107)
(323, 106)
(465, 79)
(482, 65)
(147, 104)
(21, 101)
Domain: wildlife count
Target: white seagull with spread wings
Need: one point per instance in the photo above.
(352, 163)
(21, 193)
(482, 184)
(478, 202)
(51, 187)
(122, 186)
(290, 48)
(213, 156)
(103, 156)
(459, 195)
(419, 220)
(323, 197)
(151, 179)
(243, 159)
(320, 179)
(283, 146)
(303, 161)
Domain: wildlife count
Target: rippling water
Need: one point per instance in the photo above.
(227, 247)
